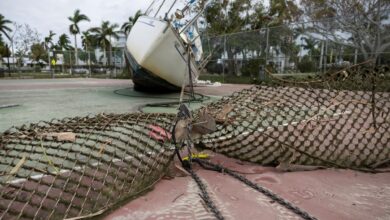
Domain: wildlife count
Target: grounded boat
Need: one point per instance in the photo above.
(158, 56)
(157, 52)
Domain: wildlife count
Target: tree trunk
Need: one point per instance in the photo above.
(9, 67)
(230, 61)
(105, 53)
(322, 56)
(75, 50)
(110, 63)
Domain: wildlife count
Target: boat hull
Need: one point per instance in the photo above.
(158, 56)
(145, 80)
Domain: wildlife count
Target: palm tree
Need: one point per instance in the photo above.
(63, 42)
(74, 28)
(3, 26)
(104, 35)
(49, 40)
(126, 27)
(87, 40)
(310, 45)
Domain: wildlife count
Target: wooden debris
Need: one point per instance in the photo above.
(18, 166)
(62, 136)
(221, 117)
(287, 167)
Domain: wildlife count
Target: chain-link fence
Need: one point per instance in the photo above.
(81, 166)
(92, 63)
(291, 49)
(341, 119)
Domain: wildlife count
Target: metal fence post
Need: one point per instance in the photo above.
(326, 55)
(223, 60)
(321, 67)
(267, 47)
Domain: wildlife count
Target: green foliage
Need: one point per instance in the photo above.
(306, 65)
(75, 20)
(48, 41)
(362, 24)
(126, 27)
(103, 35)
(84, 56)
(37, 51)
(4, 29)
(4, 49)
(88, 40)
(63, 42)
(225, 16)
(251, 67)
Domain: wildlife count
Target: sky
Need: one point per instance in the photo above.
(45, 15)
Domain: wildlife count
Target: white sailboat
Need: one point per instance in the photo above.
(158, 53)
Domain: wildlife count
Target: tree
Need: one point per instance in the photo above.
(4, 29)
(126, 27)
(48, 41)
(104, 35)
(4, 50)
(38, 51)
(63, 43)
(74, 28)
(224, 17)
(282, 11)
(310, 45)
(87, 40)
(361, 24)
(24, 38)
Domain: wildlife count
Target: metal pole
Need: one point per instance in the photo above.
(89, 63)
(49, 60)
(223, 60)
(267, 47)
(321, 56)
(63, 61)
(13, 53)
(189, 71)
(326, 55)
(70, 63)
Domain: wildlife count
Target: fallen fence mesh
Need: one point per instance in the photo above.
(82, 166)
(307, 123)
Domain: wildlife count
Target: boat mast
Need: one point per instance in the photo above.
(166, 14)
(159, 8)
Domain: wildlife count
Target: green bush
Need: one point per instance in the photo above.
(37, 69)
(306, 65)
(251, 68)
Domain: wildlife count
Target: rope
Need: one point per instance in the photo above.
(218, 168)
